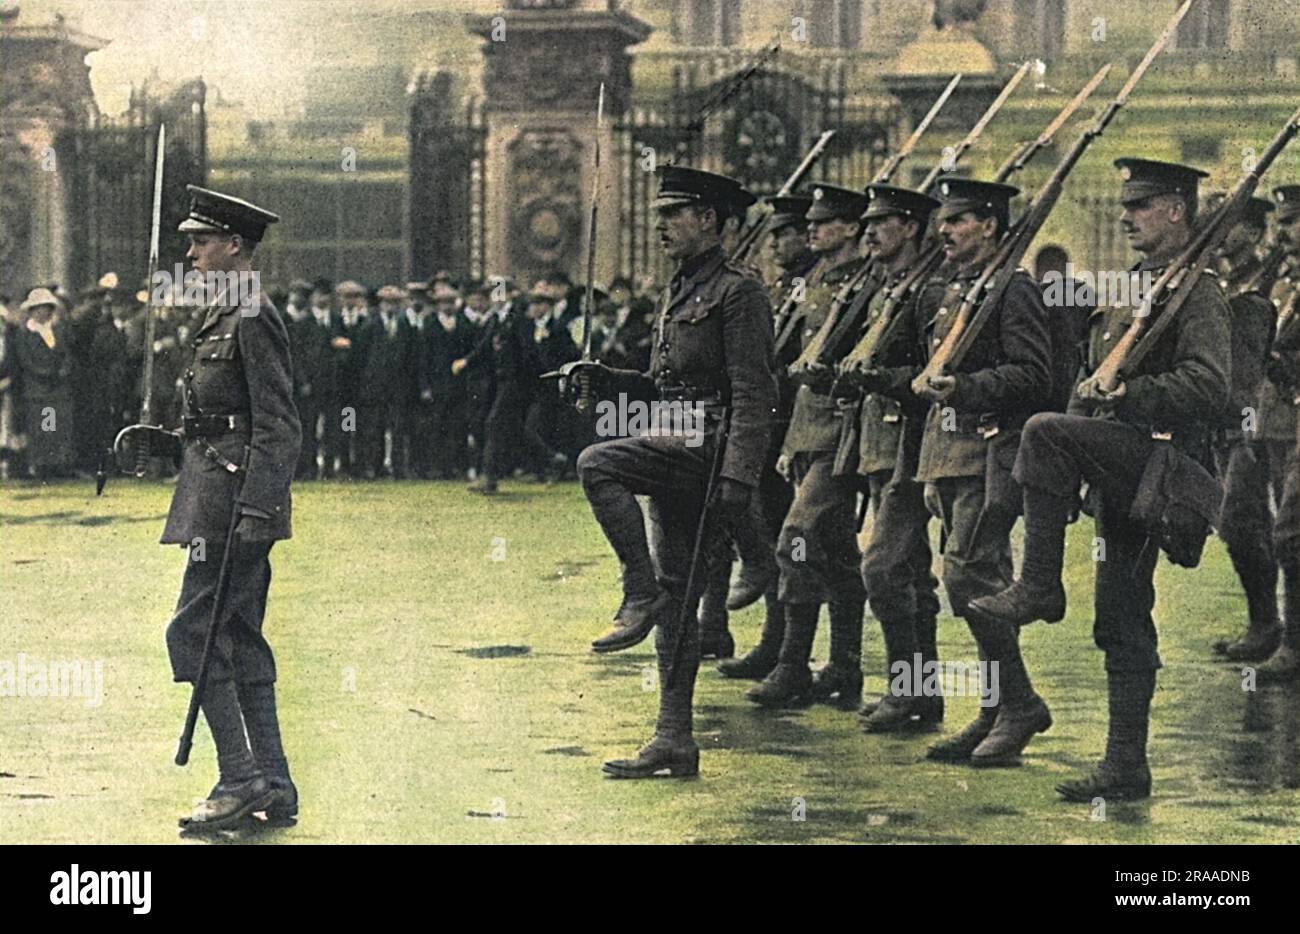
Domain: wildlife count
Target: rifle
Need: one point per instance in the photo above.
(583, 402)
(844, 323)
(985, 295)
(880, 334)
(150, 325)
(752, 235)
(1270, 267)
(785, 319)
(1180, 277)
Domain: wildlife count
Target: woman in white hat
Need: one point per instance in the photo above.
(42, 371)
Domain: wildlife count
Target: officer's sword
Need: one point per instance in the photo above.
(150, 324)
(583, 401)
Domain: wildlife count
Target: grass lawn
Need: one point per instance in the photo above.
(436, 685)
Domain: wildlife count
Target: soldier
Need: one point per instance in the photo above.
(1252, 456)
(713, 350)
(238, 397)
(817, 550)
(1280, 405)
(1178, 392)
(968, 445)
(788, 248)
(896, 566)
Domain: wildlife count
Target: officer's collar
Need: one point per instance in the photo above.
(689, 267)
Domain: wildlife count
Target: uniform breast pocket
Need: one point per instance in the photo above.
(696, 311)
(219, 352)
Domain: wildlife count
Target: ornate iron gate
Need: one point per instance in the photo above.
(112, 183)
(754, 124)
(447, 180)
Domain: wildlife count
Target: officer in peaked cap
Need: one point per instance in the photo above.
(240, 439)
(213, 213)
(712, 353)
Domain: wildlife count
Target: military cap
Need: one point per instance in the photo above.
(1146, 178)
(1287, 199)
(958, 195)
(389, 293)
(322, 285)
(1254, 213)
(213, 212)
(417, 286)
(680, 186)
(299, 285)
(788, 210)
(830, 202)
(348, 287)
(884, 200)
(38, 297)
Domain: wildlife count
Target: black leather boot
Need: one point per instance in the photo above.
(790, 682)
(840, 682)
(1038, 594)
(1263, 630)
(230, 803)
(672, 751)
(1123, 774)
(636, 619)
(897, 710)
(1021, 713)
(959, 746)
(758, 662)
(664, 756)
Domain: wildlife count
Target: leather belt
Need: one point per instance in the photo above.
(682, 393)
(214, 426)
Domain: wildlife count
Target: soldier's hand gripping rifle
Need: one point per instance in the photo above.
(985, 295)
(844, 323)
(1172, 289)
(572, 384)
(785, 321)
(868, 354)
(136, 444)
(752, 235)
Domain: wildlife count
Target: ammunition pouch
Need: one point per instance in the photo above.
(1177, 502)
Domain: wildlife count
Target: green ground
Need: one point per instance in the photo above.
(400, 728)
